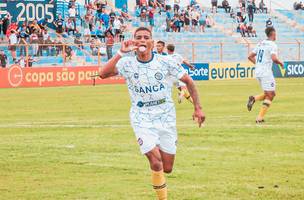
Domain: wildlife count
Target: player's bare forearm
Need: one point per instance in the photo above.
(194, 94)
(276, 60)
(188, 64)
(198, 113)
(109, 68)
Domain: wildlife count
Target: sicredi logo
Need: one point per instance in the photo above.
(222, 71)
(295, 70)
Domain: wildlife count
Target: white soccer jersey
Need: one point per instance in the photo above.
(177, 57)
(263, 51)
(150, 89)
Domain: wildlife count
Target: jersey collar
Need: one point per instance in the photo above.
(144, 62)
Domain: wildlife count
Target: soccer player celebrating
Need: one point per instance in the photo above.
(152, 113)
(183, 92)
(263, 56)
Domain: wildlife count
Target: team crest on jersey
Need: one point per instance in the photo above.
(136, 75)
(158, 76)
(140, 141)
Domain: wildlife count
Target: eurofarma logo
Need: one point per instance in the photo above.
(226, 71)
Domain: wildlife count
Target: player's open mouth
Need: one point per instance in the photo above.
(142, 48)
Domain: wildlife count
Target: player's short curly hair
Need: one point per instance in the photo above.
(142, 29)
(269, 30)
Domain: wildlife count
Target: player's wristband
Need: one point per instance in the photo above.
(120, 53)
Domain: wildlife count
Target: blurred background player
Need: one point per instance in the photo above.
(160, 48)
(183, 91)
(152, 112)
(263, 56)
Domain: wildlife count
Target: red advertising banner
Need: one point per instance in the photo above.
(52, 76)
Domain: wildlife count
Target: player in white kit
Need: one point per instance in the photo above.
(183, 92)
(152, 111)
(263, 56)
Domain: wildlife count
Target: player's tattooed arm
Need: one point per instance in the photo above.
(198, 112)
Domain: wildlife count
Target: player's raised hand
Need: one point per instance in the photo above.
(199, 116)
(192, 67)
(127, 46)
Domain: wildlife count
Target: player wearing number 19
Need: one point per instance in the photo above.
(263, 56)
(152, 111)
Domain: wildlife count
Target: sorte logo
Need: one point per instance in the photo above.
(15, 75)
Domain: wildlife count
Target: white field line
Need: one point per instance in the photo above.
(190, 125)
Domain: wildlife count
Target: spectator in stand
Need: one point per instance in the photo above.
(23, 35)
(232, 14)
(117, 28)
(78, 40)
(105, 18)
(209, 22)
(187, 19)
(59, 46)
(194, 19)
(13, 41)
(59, 24)
(176, 24)
(143, 13)
(202, 20)
(70, 26)
(242, 4)
(40, 43)
(214, 6)
(169, 17)
(298, 6)
(176, 6)
(34, 27)
(192, 3)
(49, 47)
(109, 44)
(100, 31)
(68, 52)
(6, 23)
(30, 61)
(262, 6)
(45, 35)
(72, 15)
(125, 12)
(269, 23)
(43, 23)
(21, 62)
(226, 6)
(1, 23)
(151, 17)
(251, 31)
(243, 29)
(34, 40)
(168, 5)
(3, 59)
(250, 10)
(86, 29)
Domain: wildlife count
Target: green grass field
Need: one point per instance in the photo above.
(76, 143)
